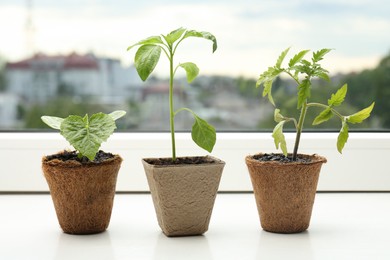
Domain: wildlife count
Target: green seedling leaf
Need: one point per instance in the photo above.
(323, 116)
(297, 58)
(279, 138)
(203, 134)
(361, 115)
(321, 73)
(153, 40)
(267, 78)
(338, 98)
(53, 121)
(146, 59)
(277, 116)
(343, 137)
(87, 134)
(117, 114)
(281, 58)
(174, 35)
(319, 55)
(205, 35)
(303, 92)
(191, 69)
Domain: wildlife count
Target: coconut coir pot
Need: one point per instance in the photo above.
(82, 193)
(183, 194)
(285, 192)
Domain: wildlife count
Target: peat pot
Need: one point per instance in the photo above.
(82, 192)
(183, 193)
(285, 192)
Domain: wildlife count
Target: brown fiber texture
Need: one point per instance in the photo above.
(285, 192)
(184, 195)
(83, 194)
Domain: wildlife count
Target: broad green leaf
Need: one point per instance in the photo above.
(281, 58)
(279, 138)
(174, 35)
(117, 114)
(203, 134)
(205, 35)
(324, 116)
(303, 92)
(319, 55)
(87, 134)
(338, 98)
(146, 59)
(361, 115)
(53, 121)
(343, 137)
(191, 69)
(277, 116)
(297, 58)
(150, 40)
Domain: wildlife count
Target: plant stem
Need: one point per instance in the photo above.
(299, 130)
(171, 109)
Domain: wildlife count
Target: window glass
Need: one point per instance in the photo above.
(69, 57)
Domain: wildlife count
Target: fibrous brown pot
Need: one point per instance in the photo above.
(184, 194)
(285, 192)
(82, 193)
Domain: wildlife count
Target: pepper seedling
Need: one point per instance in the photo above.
(146, 59)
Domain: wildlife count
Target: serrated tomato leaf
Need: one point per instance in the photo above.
(279, 139)
(361, 115)
(324, 116)
(343, 137)
(338, 98)
(281, 58)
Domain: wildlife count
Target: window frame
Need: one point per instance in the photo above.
(361, 167)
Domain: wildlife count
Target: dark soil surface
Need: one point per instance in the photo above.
(268, 157)
(180, 160)
(73, 155)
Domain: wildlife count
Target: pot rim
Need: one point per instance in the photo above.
(216, 161)
(315, 159)
(73, 163)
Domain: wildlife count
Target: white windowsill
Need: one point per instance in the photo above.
(343, 226)
(362, 167)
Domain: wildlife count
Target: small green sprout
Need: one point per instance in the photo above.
(85, 134)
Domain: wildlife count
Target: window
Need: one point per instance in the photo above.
(73, 53)
(67, 57)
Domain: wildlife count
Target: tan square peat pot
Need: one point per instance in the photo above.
(184, 194)
(285, 192)
(83, 194)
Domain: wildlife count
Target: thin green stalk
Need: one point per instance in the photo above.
(299, 130)
(171, 109)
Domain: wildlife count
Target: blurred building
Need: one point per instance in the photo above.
(43, 77)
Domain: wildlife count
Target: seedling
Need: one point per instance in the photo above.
(85, 134)
(146, 59)
(302, 71)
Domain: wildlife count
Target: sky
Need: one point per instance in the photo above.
(250, 34)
